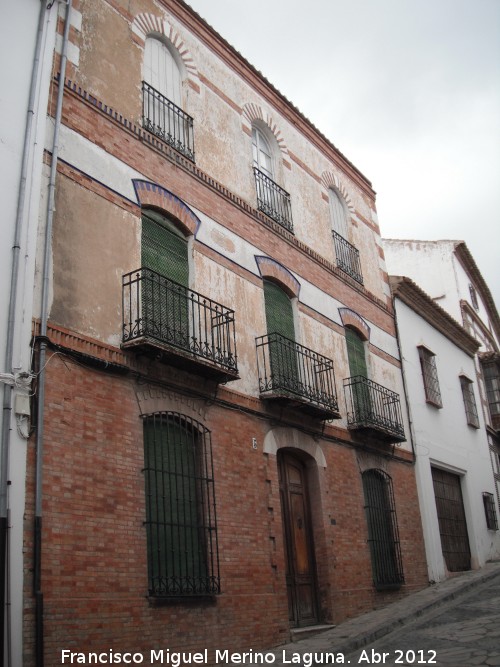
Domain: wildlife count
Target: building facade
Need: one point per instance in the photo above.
(454, 477)
(222, 453)
(447, 272)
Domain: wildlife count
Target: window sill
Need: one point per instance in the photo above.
(156, 601)
(434, 404)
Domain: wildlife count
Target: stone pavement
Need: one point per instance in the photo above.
(454, 623)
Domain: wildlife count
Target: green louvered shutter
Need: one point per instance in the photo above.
(357, 367)
(165, 302)
(177, 559)
(282, 351)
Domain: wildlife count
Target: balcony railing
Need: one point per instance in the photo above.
(192, 329)
(166, 120)
(293, 374)
(273, 200)
(374, 409)
(347, 257)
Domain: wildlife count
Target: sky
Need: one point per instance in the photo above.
(407, 90)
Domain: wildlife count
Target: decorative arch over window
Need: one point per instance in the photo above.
(149, 24)
(155, 196)
(383, 533)
(351, 319)
(181, 524)
(254, 115)
(331, 181)
(271, 269)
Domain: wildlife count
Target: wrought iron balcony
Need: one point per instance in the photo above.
(273, 200)
(166, 120)
(373, 409)
(193, 331)
(347, 257)
(292, 374)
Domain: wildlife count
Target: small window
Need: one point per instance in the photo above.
(430, 377)
(181, 525)
(490, 511)
(469, 401)
(473, 296)
(492, 381)
(383, 535)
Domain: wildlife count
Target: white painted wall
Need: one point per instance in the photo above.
(18, 30)
(443, 438)
(430, 265)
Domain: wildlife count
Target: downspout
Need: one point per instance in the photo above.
(37, 583)
(9, 349)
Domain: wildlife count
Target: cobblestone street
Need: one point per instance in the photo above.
(455, 623)
(462, 632)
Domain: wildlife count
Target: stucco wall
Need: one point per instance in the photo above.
(443, 438)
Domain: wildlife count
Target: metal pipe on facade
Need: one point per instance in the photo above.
(9, 345)
(37, 584)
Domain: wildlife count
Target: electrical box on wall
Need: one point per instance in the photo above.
(22, 405)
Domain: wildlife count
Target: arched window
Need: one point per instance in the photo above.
(383, 534)
(162, 98)
(165, 280)
(161, 71)
(281, 338)
(338, 216)
(261, 151)
(346, 255)
(271, 198)
(181, 525)
(355, 353)
(358, 389)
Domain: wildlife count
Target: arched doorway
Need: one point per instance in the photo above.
(298, 539)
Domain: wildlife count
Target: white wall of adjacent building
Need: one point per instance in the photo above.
(18, 36)
(443, 439)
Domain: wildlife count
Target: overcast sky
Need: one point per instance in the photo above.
(408, 90)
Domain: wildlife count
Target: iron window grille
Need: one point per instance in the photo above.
(347, 257)
(371, 405)
(469, 401)
(181, 524)
(287, 367)
(157, 308)
(492, 381)
(473, 296)
(166, 120)
(383, 533)
(490, 511)
(273, 200)
(430, 376)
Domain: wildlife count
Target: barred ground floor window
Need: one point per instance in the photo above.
(181, 524)
(383, 534)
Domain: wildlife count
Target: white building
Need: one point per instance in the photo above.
(27, 37)
(448, 274)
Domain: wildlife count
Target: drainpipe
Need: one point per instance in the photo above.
(37, 583)
(5, 624)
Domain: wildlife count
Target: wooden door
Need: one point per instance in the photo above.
(451, 518)
(299, 551)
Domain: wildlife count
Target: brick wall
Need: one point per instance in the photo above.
(94, 567)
